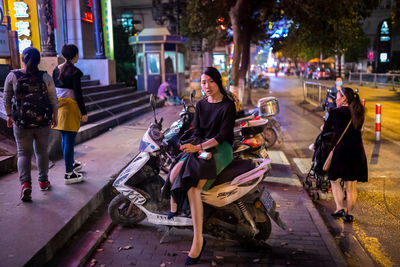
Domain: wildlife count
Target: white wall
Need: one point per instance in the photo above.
(99, 69)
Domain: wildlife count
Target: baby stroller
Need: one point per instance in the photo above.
(316, 179)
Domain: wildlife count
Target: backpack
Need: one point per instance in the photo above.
(31, 106)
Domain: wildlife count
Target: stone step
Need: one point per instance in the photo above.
(106, 94)
(128, 104)
(91, 130)
(100, 88)
(103, 103)
(89, 82)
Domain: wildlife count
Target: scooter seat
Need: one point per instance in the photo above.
(233, 170)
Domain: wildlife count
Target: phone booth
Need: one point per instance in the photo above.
(159, 58)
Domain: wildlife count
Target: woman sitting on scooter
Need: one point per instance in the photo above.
(195, 171)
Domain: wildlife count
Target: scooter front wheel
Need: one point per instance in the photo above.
(122, 211)
(270, 137)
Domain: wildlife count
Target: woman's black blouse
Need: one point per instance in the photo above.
(72, 82)
(215, 120)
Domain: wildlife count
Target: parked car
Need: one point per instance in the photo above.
(322, 73)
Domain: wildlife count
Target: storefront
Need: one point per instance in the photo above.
(49, 24)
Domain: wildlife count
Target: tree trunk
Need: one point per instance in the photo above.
(235, 19)
(244, 67)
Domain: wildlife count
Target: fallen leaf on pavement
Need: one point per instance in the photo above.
(294, 252)
(256, 260)
(185, 251)
(97, 231)
(93, 262)
(127, 247)
(290, 229)
(284, 244)
(162, 264)
(285, 189)
(110, 241)
(219, 257)
(213, 263)
(99, 249)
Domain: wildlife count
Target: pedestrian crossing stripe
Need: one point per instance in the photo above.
(278, 157)
(303, 164)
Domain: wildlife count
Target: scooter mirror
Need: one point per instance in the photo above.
(192, 95)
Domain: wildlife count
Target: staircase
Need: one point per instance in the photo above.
(107, 106)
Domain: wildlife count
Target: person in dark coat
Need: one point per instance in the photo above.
(213, 132)
(349, 162)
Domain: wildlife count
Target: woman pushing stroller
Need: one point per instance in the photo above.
(349, 163)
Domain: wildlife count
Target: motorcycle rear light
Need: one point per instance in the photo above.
(244, 124)
(256, 118)
(256, 141)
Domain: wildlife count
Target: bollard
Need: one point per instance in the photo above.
(363, 102)
(378, 123)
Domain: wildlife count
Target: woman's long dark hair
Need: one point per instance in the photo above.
(357, 110)
(31, 58)
(216, 76)
(69, 51)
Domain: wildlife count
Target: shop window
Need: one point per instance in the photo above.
(153, 63)
(170, 62)
(181, 63)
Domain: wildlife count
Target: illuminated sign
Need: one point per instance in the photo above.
(385, 28)
(24, 20)
(383, 57)
(106, 13)
(87, 14)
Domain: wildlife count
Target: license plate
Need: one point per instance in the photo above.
(267, 200)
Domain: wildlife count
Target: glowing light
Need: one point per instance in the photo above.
(21, 10)
(23, 28)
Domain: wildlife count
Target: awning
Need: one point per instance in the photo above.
(314, 60)
(328, 60)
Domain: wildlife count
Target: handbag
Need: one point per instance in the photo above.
(328, 160)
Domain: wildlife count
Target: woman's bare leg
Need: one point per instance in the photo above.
(337, 194)
(174, 173)
(196, 209)
(351, 191)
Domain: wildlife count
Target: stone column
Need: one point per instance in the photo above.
(98, 29)
(46, 26)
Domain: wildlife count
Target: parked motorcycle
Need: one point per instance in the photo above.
(267, 109)
(234, 208)
(259, 82)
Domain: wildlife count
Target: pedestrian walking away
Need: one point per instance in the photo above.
(349, 162)
(205, 155)
(71, 111)
(31, 104)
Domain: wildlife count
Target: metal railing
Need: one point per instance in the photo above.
(392, 80)
(314, 92)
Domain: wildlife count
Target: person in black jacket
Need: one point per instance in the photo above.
(349, 162)
(71, 109)
(213, 132)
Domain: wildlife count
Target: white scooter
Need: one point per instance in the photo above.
(234, 208)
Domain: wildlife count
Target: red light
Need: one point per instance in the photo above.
(221, 19)
(222, 27)
(255, 142)
(88, 17)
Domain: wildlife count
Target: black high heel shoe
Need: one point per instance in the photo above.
(339, 214)
(192, 261)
